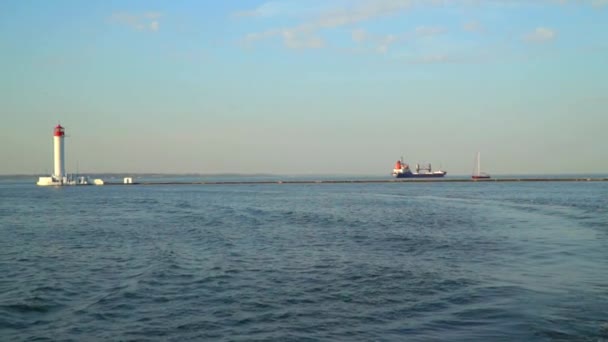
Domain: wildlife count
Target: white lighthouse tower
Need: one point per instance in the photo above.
(59, 155)
(60, 176)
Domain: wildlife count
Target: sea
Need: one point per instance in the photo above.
(401, 261)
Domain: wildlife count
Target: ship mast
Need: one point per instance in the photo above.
(477, 165)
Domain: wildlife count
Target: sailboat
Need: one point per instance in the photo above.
(477, 174)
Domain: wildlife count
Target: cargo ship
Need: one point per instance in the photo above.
(402, 170)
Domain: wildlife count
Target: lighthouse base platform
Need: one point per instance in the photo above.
(60, 181)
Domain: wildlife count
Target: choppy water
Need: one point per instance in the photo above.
(316, 262)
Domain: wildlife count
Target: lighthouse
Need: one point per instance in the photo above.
(59, 155)
(60, 176)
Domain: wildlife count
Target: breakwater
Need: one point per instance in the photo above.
(363, 181)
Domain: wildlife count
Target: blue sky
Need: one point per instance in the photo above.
(305, 87)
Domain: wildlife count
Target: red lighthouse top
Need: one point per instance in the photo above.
(59, 131)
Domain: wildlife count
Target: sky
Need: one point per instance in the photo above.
(305, 86)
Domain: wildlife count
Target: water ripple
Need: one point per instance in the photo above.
(386, 262)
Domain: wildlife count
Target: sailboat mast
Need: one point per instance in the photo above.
(478, 163)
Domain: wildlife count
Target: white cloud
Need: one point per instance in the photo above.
(425, 31)
(362, 11)
(469, 57)
(380, 44)
(148, 21)
(294, 40)
(359, 35)
(154, 26)
(354, 11)
(326, 15)
(267, 9)
(306, 34)
(432, 59)
(283, 8)
(540, 35)
(152, 15)
(385, 43)
(473, 26)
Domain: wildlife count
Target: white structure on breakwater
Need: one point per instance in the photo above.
(59, 176)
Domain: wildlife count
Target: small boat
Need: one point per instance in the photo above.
(477, 174)
(402, 170)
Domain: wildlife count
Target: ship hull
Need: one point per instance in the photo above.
(420, 175)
